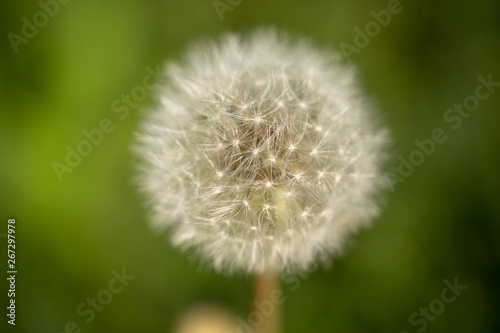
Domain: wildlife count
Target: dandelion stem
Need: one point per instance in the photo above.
(267, 300)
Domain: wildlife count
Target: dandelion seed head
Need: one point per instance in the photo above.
(251, 156)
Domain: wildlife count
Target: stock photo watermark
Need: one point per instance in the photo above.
(453, 118)
(89, 308)
(420, 319)
(265, 308)
(94, 137)
(222, 6)
(11, 271)
(30, 27)
(363, 37)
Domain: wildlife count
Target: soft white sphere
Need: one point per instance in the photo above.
(263, 153)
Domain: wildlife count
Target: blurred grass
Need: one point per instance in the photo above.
(441, 223)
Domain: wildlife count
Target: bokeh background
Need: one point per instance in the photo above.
(441, 223)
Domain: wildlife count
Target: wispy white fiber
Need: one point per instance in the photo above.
(262, 153)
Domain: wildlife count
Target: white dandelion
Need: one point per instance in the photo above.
(263, 154)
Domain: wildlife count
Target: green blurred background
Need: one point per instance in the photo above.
(441, 223)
